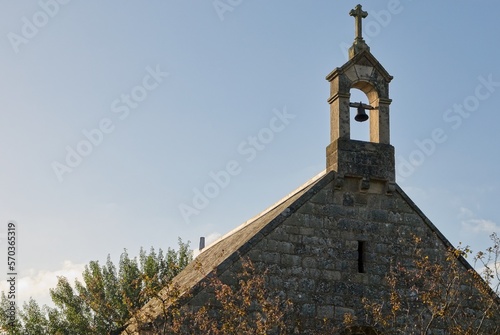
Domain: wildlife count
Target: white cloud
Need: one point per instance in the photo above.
(465, 213)
(36, 284)
(480, 226)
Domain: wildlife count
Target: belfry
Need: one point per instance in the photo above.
(371, 161)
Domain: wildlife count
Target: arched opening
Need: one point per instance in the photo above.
(359, 130)
(378, 128)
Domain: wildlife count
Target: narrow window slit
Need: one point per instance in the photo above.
(361, 256)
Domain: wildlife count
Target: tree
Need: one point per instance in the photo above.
(33, 319)
(7, 325)
(106, 298)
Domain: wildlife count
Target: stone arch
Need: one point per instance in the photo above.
(368, 89)
(379, 117)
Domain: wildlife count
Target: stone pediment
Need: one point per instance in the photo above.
(363, 66)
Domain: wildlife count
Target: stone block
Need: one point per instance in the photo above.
(309, 262)
(331, 275)
(351, 245)
(286, 248)
(312, 241)
(341, 211)
(341, 311)
(304, 231)
(395, 217)
(360, 278)
(288, 260)
(361, 199)
(308, 310)
(280, 235)
(325, 311)
(295, 239)
(271, 257)
(307, 285)
(306, 208)
(255, 255)
(300, 249)
(323, 197)
(378, 215)
(348, 199)
(292, 229)
(412, 219)
(278, 246)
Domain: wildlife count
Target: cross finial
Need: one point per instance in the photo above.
(359, 44)
(359, 15)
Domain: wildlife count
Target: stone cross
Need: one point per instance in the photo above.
(359, 15)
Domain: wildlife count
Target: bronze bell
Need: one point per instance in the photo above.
(361, 116)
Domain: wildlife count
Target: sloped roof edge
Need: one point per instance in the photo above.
(220, 255)
(267, 210)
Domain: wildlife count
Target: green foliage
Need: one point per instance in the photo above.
(33, 318)
(104, 300)
(12, 328)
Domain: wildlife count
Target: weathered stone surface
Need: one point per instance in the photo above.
(361, 159)
(313, 259)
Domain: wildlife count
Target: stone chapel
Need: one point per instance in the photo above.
(330, 245)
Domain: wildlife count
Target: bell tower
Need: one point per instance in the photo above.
(370, 162)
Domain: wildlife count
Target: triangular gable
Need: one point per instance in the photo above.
(222, 255)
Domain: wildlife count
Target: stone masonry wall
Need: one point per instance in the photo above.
(313, 256)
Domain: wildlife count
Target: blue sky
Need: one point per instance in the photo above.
(161, 96)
